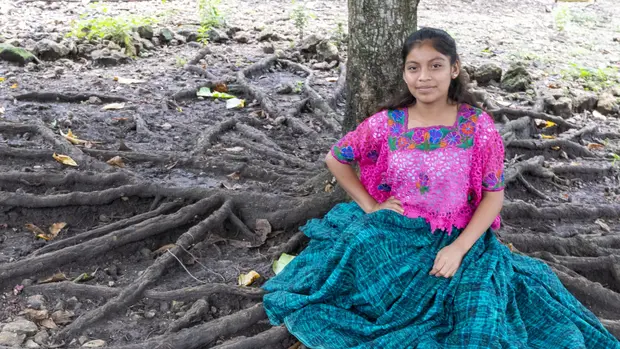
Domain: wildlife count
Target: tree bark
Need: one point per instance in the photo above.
(377, 31)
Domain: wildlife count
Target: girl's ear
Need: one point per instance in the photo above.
(456, 69)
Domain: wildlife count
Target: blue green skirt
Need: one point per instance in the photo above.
(363, 282)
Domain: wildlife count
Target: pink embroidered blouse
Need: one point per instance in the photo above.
(438, 172)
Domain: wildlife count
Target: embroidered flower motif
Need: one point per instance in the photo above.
(453, 138)
(384, 187)
(347, 154)
(494, 180)
(419, 136)
(398, 115)
(403, 142)
(396, 128)
(467, 128)
(434, 135)
(490, 180)
(422, 183)
(373, 155)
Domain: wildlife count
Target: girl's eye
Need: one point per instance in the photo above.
(412, 68)
(436, 66)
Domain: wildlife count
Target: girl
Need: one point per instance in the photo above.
(413, 261)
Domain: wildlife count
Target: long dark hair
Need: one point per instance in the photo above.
(445, 44)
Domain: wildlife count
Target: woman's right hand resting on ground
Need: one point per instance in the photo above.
(391, 203)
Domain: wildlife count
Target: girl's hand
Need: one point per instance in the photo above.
(448, 261)
(390, 204)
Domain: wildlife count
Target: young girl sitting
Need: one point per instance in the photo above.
(413, 261)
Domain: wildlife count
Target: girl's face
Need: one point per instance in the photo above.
(428, 74)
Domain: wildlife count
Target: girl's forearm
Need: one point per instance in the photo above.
(485, 214)
(348, 180)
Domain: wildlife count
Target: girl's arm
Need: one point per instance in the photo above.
(489, 207)
(347, 178)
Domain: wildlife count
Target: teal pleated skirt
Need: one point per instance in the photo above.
(363, 282)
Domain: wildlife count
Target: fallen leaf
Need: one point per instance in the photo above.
(2, 110)
(204, 92)
(65, 160)
(2, 79)
(235, 149)
(549, 124)
(113, 106)
(33, 228)
(116, 161)
(179, 109)
(555, 148)
(248, 279)
(548, 136)
(36, 315)
(62, 317)
(235, 103)
(14, 86)
(592, 146)
(221, 95)
(511, 247)
(263, 228)
(74, 139)
(54, 278)
(128, 81)
(56, 228)
(235, 176)
(164, 249)
(329, 188)
(603, 225)
(282, 262)
(49, 323)
(83, 278)
(295, 346)
(331, 79)
(221, 87)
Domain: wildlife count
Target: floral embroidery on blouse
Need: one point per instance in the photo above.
(344, 153)
(494, 180)
(460, 135)
(422, 183)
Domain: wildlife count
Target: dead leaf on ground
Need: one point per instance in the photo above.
(593, 146)
(248, 279)
(113, 106)
(234, 176)
(555, 148)
(329, 188)
(164, 249)
(127, 81)
(234, 149)
(49, 323)
(221, 87)
(54, 230)
(116, 161)
(603, 225)
(331, 79)
(1, 110)
(14, 86)
(36, 315)
(65, 160)
(54, 278)
(548, 136)
(83, 277)
(33, 228)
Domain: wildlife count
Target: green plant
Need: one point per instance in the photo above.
(299, 85)
(339, 36)
(300, 18)
(562, 17)
(615, 157)
(98, 24)
(210, 17)
(181, 61)
(592, 79)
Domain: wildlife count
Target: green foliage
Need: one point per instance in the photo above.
(96, 23)
(339, 35)
(616, 158)
(180, 61)
(592, 79)
(210, 16)
(562, 17)
(300, 17)
(299, 85)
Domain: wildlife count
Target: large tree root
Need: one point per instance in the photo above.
(574, 246)
(205, 334)
(187, 294)
(520, 209)
(570, 147)
(97, 246)
(514, 114)
(134, 291)
(605, 267)
(272, 338)
(53, 97)
(72, 177)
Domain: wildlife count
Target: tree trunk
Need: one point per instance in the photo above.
(377, 31)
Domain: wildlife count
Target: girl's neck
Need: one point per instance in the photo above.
(430, 112)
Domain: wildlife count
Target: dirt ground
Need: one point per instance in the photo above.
(205, 178)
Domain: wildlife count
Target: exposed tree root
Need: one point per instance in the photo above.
(531, 166)
(73, 177)
(613, 326)
(570, 147)
(193, 315)
(532, 189)
(200, 72)
(134, 291)
(574, 246)
(520, 209)
(200, 55)
(205, 334)
(184, 294)
(606, 268)
(272, 338)
(114, 239)
(98, 232)
(514, 114)
(54, 97)
(340, 87)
